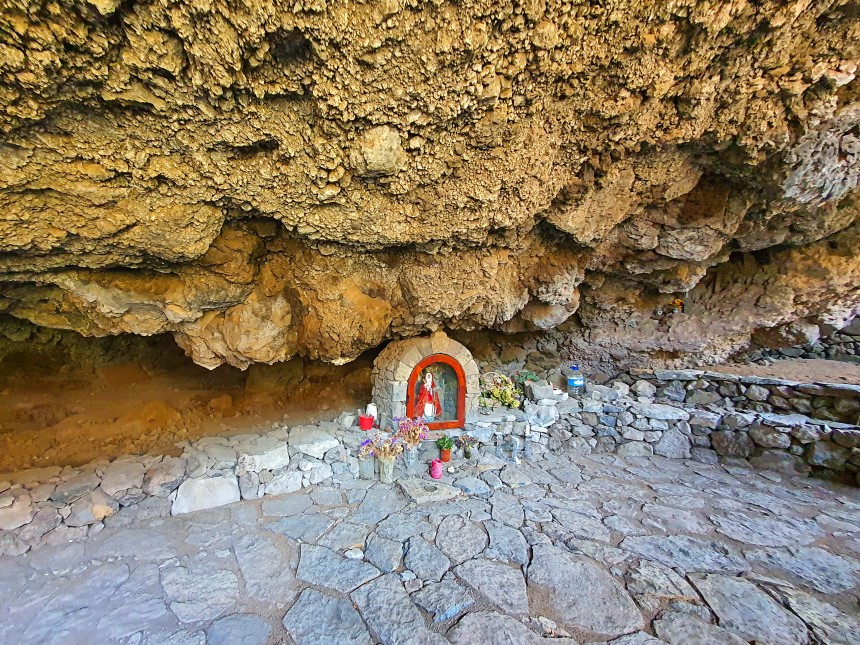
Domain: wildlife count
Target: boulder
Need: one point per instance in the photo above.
(378, 152)
(644, 388)
(635, 449)
(537, 390)
(705, 419)
(768, 437)
(75, 487)
(122, 475)
(541, 414)
(847, 438)
(757, 393)
(673, 444)
(288, 482)
(92, 508)
(826, 454)
(781, 462)
(164, 477)
(312, 441)
(17, 514)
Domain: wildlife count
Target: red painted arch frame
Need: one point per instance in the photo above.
(461, 391)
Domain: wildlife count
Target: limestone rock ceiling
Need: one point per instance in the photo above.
(265, 179)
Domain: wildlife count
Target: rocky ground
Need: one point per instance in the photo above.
(571, 550)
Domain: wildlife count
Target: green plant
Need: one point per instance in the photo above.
(521, 377)
(500, 388)
(444, 442)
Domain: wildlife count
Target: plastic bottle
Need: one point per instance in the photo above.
(575, 382)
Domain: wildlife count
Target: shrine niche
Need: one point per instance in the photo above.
(435, 378)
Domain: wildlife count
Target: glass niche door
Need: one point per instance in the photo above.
(437, 392)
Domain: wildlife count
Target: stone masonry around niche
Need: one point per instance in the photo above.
(394, 365)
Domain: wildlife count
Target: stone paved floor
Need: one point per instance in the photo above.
(580, 549)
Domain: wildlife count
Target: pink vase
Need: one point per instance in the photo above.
(436, 469)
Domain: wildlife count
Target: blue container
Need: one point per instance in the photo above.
(575, 382)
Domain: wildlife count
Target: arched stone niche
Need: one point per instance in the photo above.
(400, 371)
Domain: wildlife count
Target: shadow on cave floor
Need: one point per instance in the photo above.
(79, 399)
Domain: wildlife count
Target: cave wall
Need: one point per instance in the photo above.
(268, 179)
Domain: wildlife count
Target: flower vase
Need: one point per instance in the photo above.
(386, 471)
(467, 452)
(445, 454)
(410, 457)
(366, 468)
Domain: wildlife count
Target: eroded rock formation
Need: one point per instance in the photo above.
(266, 179)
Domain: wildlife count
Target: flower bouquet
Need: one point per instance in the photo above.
(386, 450)
(466, 443)
(366, 462)
(498, 389)
(411, 432)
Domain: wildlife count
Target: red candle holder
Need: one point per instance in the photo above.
(436, 469)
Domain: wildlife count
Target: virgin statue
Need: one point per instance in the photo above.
(428, 402)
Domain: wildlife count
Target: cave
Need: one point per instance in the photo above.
(67, 400)
(230, 233)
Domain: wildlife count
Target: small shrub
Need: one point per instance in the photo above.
(444, 442)
(500, 388)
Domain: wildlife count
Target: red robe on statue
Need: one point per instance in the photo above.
(426, 396)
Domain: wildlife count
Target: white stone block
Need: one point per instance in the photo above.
(312, 441)
(205, 492)
(266, 453)
(286, 483)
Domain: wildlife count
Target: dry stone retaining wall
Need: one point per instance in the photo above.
(827, 401)
(677, 414)
(54, 505)
(842, 344)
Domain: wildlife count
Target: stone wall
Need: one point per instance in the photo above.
(826, 401)
(55, 505)
(394, 365)
(677, 415)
